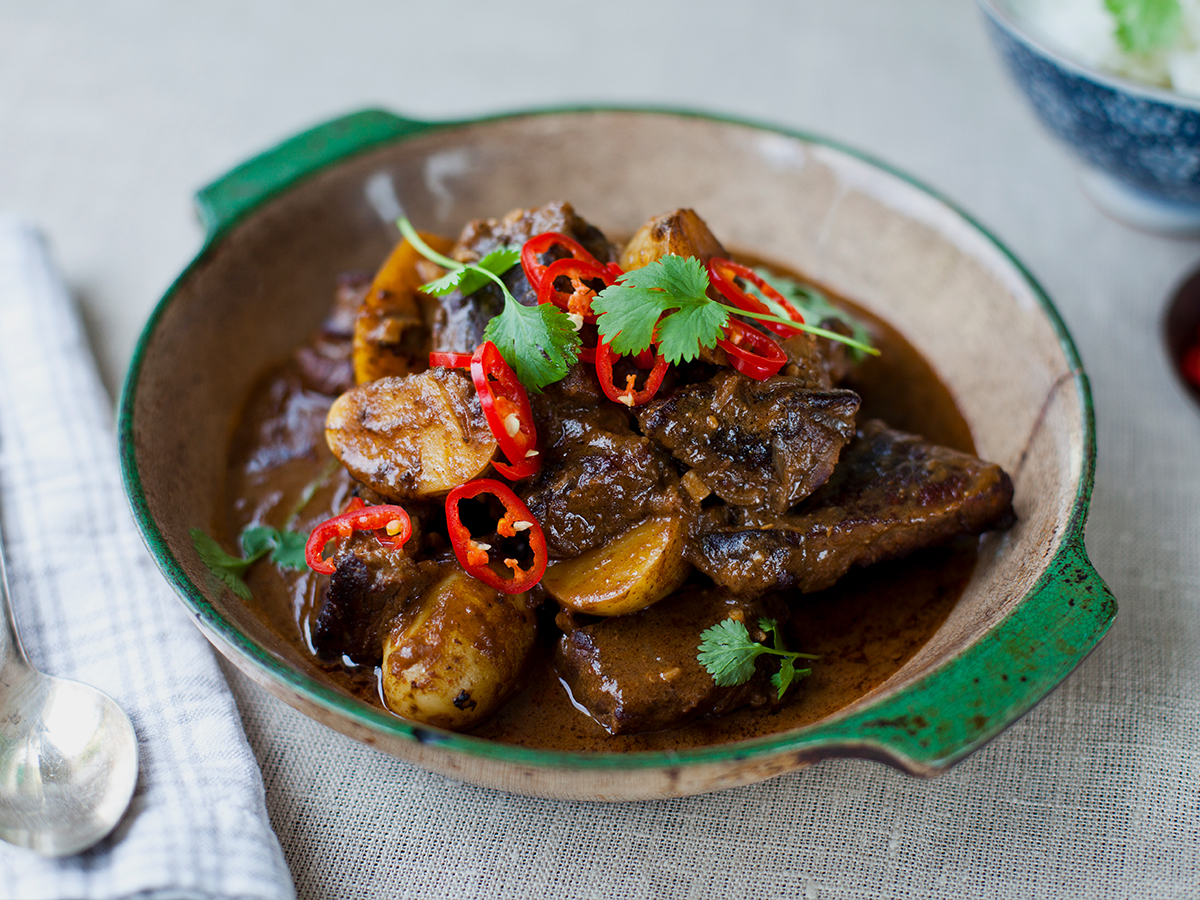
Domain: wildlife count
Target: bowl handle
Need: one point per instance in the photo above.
(234, 194)
(950, 713)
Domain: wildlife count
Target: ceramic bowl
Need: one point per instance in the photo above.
(1138, 146)
(283, 225)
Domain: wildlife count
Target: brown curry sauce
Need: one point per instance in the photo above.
(865, 628)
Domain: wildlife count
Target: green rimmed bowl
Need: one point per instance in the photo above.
(284, 224)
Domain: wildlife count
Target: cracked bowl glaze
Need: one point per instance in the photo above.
(283, 225)
(1138, 146)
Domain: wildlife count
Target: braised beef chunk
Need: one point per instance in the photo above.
(366, 591)
(817, 361)
(892, 493)
(640, 673)
(482, 236)
(598, 479)
(753, 442)
(459, 321)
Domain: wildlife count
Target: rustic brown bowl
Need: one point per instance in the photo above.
(284, 224)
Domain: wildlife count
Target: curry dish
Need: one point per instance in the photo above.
(543, 571)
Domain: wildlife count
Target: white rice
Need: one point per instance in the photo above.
(1086, 32)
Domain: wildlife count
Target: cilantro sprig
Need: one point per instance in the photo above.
(286, 549)
(1144, 26)
(812, 304)
(728, 653)
(539, 342)
(667, 301)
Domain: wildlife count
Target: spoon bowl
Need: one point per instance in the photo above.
(68, 753)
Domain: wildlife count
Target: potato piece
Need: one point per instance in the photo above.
(629, 573)
(390, 333)
(411, 437)
(453, 656)
(681, 232)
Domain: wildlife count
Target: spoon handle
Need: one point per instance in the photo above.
(13, 662)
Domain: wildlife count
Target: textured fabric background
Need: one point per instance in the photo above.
(1094, 794)
(91, 606)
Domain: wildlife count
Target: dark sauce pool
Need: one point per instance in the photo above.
(865, 628)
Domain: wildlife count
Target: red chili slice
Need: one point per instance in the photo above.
(450, 360)
(391, 525)
(538, 245)
(722, 272)
(476, 557)
(578, 299)
(750, 351)
(507, 411)
(627, 395)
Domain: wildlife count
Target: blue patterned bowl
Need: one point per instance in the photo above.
(1139, 146)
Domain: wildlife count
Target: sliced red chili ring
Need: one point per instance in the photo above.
(722, 272)
(391, 525)
(578, 299)
(450, 360)
(605, 358)
(507, 411)
(476, 557)
(750, 351)
(538, 245)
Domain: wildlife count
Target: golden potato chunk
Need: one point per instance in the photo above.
(629, 573)
(455, 655)
(681, 232)
(390, 333)
(413, 436)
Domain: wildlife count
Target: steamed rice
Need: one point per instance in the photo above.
(1086, 32)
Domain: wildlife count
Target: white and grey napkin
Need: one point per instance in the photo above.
(92, 606)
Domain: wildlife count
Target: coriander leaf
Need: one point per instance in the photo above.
(1144, 26)
(728, 653)
(782, 679)
(470, 277)
(501, 259)
(226, 567)
(670, 292)
(257, 542)
(539, 342)
(289, 550)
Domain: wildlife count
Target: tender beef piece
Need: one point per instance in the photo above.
(325, 362)
(753, 442)
(459, 321)
(598, 478)
(480, 237)
(640, 673)
(368, 588)
(891, 494)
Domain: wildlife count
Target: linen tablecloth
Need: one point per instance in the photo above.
(92, 606)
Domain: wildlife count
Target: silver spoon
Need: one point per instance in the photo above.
(68, 753)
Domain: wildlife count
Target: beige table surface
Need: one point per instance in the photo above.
(113, 114)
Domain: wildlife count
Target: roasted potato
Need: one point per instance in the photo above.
(629, 573)
(453, 656)
(681, 232)
(391, 336)
(411, 437)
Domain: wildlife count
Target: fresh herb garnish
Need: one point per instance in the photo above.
(1144, 26)
(728, 653)
(285, 547)
(667, 301)
(813, 305)
(539, 342)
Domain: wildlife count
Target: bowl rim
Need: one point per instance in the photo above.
(1068, 594)
(1003, 16)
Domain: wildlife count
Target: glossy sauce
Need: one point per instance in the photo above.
(865, 627)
